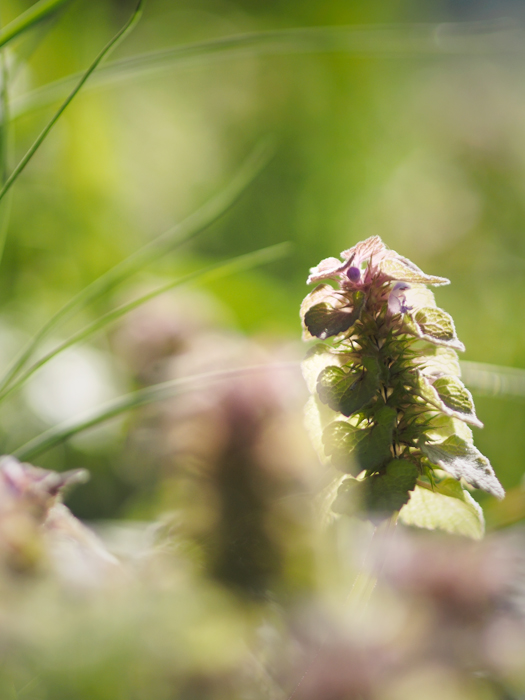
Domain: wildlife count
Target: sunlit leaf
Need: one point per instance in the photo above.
(348, 390)
(448, 507)
(435, 326)
(443, 426)
(418, 295)
(457, 398)
(340, 439)
(325, 314)
(317, 416)
(318, 358)
(464, 461)
(402, 270)
(449, 395)
(438, 361)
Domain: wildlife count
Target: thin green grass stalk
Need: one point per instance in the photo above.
(130, 24)
(158, 392)
(4, 117)
(6, 137)
(213, 272)
(433, 39)
(27, 20)
(190, 227)
(494, 380)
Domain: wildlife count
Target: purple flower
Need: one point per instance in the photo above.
(397, 300)
(353, 274)
(370, 260)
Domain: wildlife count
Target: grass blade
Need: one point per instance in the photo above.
(187, 229)
(493, 380)
(5, 146)
(41, 137)
(465, 38)
(37, 13)
(222, 269)
(157, 392)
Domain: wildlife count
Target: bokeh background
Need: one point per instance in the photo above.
(395, 118)
(411, 131)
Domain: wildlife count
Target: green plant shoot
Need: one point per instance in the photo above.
(389, 407)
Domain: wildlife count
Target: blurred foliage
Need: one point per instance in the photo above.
(409, 130)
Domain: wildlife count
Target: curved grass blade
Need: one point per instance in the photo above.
(465, 38)
(222, 269)
(5, 146)
(142, 397)
(493, 380)
(45, 131)
(37, 13)
(187, 229)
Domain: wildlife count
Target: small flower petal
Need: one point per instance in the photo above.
(372, 246)
(327, 269)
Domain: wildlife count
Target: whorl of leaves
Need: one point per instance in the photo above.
(389, 409)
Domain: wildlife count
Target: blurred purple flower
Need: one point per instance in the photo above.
(397, 299)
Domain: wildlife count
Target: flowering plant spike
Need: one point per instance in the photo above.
(391, 411)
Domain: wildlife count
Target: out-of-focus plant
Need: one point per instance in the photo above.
(225, 598)
(393, 412)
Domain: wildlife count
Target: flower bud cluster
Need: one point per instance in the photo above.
(392, 413)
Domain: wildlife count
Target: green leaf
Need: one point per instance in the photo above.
(337, 385)
(349, 497)
(419, 295)
(316, 417)
(464, 461)
(380, 494)
(340, 439)
(387, 493)
(457, 398)
(321, 294)
(318, 358)
(449, 395)
(444, 426)
(438, 361)
(375, 449)
(347, 391)
(371, 445)
(326, 313)
(323, 320)
(402, 270)
(435, 326)
(448, 507)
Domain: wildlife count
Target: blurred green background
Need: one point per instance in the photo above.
(415, 133)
